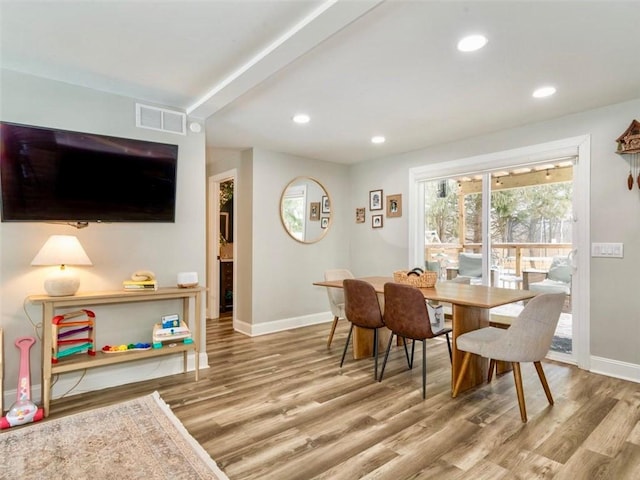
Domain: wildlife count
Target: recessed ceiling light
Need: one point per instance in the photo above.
(301, 118)
(378, 139)
(544, 92)
(472, 43)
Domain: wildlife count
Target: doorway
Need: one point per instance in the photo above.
(225, 256)
(529, 236)
(475, 232)
(221, 245)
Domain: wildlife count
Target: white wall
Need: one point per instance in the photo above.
(275, 272)
(282, 270)
(116, 250)
(615, 217)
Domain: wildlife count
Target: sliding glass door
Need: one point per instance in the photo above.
(510, 227)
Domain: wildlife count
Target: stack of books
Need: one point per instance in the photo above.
(140, 285)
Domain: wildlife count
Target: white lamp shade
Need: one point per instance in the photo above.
(61, 250)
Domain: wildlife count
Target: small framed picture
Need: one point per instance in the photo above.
(394, 206)
(376, 221)
(375, 200)
(326, 206)
(314, 211)
(324, 222)
(360, 212)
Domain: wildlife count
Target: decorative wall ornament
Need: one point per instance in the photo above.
(314, 211)
(326, 207)
(629, 144)
(394, 205)
(629, 141)
(375, 200)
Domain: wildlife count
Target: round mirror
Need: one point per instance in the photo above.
(305, 210)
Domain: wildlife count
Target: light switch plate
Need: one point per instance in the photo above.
(609, 250)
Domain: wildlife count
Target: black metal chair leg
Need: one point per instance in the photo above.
(413, 349)
(406, 351)
(375, 352)
(386, 355)
(346, 345)
(424, 369)
(449, 346)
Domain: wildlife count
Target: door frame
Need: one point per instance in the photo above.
(579, 147)
(213, 241)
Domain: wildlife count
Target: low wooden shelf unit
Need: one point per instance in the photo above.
(85, 299)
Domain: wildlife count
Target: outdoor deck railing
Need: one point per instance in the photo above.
(509, 257)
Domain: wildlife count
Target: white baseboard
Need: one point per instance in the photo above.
(615, 368)
(599, 365)
(254, 330)
(74, 383)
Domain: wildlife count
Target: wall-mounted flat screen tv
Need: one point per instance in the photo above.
(51, 175)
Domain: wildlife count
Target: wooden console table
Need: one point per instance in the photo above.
(85, 299)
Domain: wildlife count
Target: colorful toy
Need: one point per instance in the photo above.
(83, 343)
(23, 410)
(173, 334)
(132, 347)
(171, 321)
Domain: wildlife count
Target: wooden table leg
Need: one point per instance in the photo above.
(466, 319)
(363, 342)
(363, 338)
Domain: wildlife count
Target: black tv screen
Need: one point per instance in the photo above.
(63, 176)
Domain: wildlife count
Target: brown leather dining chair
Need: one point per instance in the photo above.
(406, 315)
(362, 309)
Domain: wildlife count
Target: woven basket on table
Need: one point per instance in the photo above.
(416, 278)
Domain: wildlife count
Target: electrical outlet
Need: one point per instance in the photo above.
(609, 250)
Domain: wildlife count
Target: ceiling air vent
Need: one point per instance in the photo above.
(161, 119)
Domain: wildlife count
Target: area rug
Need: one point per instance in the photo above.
(561, 344)
(136, 439)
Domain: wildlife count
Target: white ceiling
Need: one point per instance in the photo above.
(358, 67)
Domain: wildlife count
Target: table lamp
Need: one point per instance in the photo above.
(61, 250)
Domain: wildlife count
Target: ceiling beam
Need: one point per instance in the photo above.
(326, 20)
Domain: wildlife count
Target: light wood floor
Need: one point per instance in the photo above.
(278, 407)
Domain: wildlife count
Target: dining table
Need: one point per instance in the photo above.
(470, 310)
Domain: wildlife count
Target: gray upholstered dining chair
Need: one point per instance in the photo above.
(406, 315)
(362, 309)
(528, 339)
(336, 297)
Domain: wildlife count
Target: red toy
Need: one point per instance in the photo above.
(23, 410)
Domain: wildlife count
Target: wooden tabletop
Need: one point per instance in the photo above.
(451, 292)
